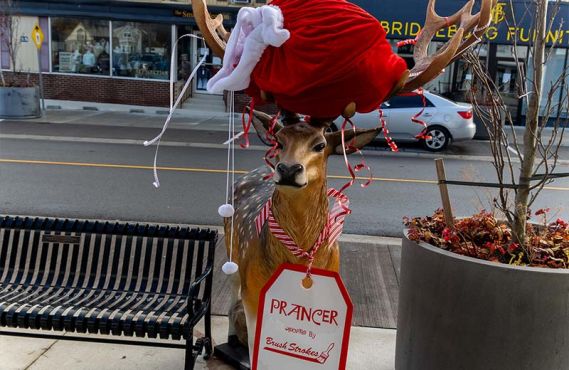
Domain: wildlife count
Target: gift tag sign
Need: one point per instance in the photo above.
(300, 328)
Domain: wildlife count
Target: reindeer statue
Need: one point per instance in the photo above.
(298, 193)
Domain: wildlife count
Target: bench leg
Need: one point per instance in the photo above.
(208, 338)
(190, 359)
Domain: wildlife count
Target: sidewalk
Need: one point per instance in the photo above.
(103, 114)
(370, 348)
(373, 289)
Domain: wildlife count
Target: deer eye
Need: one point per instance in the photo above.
(319, 147)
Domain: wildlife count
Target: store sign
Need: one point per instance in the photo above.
(183, 13)
(301, 328)
(510, 22)
(188, 14)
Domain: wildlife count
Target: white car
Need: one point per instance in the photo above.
(446, 120)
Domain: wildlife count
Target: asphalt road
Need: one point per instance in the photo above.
(105, 173)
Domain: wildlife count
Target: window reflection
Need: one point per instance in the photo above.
(141, 50)
(554, 71)
(80, 46)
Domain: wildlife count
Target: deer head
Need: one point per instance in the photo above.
(304, 148)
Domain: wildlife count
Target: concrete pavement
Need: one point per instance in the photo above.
(370, 348)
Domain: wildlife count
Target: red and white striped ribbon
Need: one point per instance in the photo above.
(330, 233)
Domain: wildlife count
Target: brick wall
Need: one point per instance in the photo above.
(100, 90)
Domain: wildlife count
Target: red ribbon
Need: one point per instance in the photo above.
(273, 151)
(423, 134)
(406, 42)
(385, 132)
(358, 167)
(247, 125)
(414, 41)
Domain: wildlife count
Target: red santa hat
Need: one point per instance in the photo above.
(313, 56)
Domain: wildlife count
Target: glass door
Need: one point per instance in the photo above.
(507, 76)
(508, 82)
(207, 70)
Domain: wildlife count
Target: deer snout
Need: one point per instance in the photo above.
(290, 175)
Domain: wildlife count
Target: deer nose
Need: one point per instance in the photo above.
(289, 172)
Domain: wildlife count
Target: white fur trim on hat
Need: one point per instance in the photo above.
(256, 28)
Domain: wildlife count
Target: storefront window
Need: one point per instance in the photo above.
(80, 46)
(508, 51)
(4, 54)
(554, 69)
(141, 50)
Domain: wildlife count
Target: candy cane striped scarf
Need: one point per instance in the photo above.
(330, 233)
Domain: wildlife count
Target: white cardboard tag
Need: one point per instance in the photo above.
(300, 328)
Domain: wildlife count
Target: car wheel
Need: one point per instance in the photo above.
(440, 139)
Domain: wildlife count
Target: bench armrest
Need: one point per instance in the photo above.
(195, 286)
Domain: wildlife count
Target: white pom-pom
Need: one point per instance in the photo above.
(229, 268)
(226, 210)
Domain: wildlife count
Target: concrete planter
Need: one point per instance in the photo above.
(19, 102)
(458, 312)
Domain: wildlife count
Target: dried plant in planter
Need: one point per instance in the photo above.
(485, 237)
(536, 152)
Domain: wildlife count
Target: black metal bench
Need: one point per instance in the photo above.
(106, 278)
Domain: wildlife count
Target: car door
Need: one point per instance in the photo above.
(400, 111)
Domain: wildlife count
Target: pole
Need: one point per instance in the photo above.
(447, 209)
(41, 83)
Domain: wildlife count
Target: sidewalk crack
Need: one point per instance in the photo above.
(43, 353)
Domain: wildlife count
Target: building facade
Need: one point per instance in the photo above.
(110, 51)
(503, 51)
(119, 51)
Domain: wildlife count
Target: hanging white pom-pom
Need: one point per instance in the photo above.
(229, 268)
(226, 210)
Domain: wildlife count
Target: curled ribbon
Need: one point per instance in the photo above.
(385, 132)
(414, 41)
(273, 151)
(247, 125)
(423, 134)
(358, 167)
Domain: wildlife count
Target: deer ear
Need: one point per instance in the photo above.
(363, 137)
(262, 123)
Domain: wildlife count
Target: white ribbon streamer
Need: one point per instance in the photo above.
(173, 107)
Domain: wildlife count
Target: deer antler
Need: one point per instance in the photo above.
(427, 67)
(212, 29)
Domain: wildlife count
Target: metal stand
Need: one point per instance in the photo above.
(233, 353)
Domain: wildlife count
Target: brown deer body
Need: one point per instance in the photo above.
(299, 203)
(298, 189)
